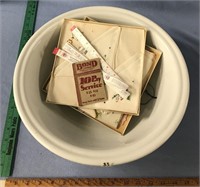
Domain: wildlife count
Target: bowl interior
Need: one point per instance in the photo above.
(72, 135)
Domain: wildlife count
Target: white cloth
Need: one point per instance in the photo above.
(122, 47)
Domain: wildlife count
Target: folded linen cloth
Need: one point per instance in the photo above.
(122, 47)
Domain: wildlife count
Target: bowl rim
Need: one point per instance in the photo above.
(77, 156)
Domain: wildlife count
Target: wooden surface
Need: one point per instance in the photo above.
(64, 182)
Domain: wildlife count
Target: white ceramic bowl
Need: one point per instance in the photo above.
(77, 138)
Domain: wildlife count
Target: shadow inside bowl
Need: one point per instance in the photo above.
(47, 65)
(148, 102)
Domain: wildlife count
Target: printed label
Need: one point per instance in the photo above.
(88, 78)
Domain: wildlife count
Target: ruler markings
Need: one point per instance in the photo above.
(64, 182)
(11, 128)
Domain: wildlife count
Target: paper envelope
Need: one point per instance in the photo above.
(122, 47)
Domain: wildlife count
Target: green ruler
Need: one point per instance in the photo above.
(11, 128)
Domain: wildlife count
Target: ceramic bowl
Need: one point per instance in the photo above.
(73, 136)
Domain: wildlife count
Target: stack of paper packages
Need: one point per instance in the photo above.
(112, 95)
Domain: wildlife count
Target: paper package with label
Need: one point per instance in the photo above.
(121, 47)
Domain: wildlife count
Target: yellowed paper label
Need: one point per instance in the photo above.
(88, 78)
